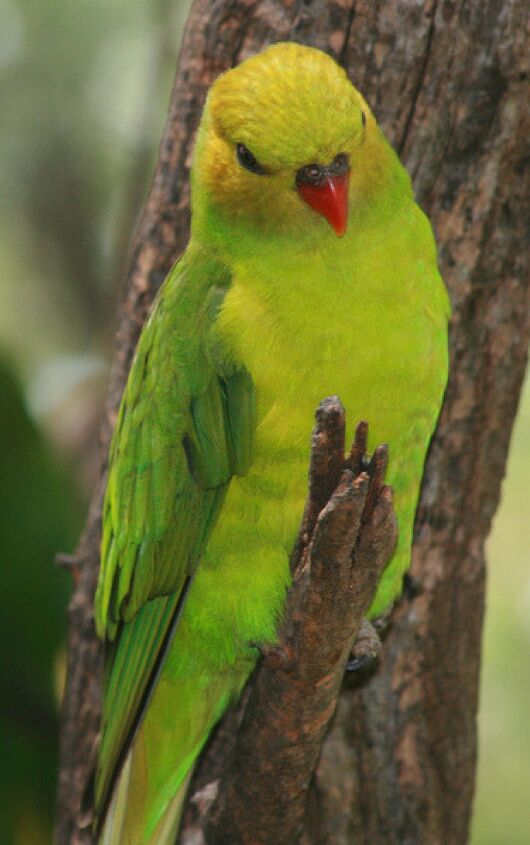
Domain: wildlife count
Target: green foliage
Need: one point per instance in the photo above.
(501, 804)
(84, 94)
(38, 517)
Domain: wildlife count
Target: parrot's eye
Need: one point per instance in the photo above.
(248, 161)
(363, 118)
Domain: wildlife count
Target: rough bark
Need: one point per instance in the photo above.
(347, 537)
(447, 82)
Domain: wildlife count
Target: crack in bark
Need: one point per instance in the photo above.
(419, 85)
(348, 29)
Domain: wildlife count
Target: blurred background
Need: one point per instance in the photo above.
(85, 88)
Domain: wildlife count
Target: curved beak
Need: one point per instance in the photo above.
(329, 197)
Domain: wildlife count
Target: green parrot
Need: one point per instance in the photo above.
(310, 271)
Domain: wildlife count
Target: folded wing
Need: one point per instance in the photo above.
(185, 426)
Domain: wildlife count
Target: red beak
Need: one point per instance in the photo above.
(329, 198)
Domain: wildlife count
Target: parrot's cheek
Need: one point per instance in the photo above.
(330, 199)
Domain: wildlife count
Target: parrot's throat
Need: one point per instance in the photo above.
(329, 198)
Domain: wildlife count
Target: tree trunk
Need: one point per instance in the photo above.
(447, 82)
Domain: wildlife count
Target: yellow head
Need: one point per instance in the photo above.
(286, 144)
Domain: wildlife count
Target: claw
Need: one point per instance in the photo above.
(365, 649)
(360, 662)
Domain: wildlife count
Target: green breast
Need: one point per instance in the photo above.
(364, 317)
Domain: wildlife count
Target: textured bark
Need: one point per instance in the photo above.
(447, 81)
(347, 537)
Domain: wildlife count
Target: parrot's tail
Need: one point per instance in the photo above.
(116, 828)
(111, 833)
(166, 832)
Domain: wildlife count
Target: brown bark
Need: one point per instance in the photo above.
(347, 537)
(447, 83)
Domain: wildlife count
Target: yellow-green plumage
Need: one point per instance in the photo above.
(267, 312)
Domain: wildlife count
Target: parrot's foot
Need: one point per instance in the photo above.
(277, 656)
(366, 647)
(411, 586)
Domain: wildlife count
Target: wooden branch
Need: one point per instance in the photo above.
(342, 552)
(447, 83)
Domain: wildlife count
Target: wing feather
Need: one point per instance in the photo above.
(177, 442)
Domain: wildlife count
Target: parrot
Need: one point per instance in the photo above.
(310, 271)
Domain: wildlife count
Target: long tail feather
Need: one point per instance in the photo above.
(115, 818)
(116, 829)
(166, 832)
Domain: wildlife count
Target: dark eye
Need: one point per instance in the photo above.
(363, 118)
(248, 161)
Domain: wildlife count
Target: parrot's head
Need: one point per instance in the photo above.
(287, 145)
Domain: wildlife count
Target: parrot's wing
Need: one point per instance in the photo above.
(184, 428)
